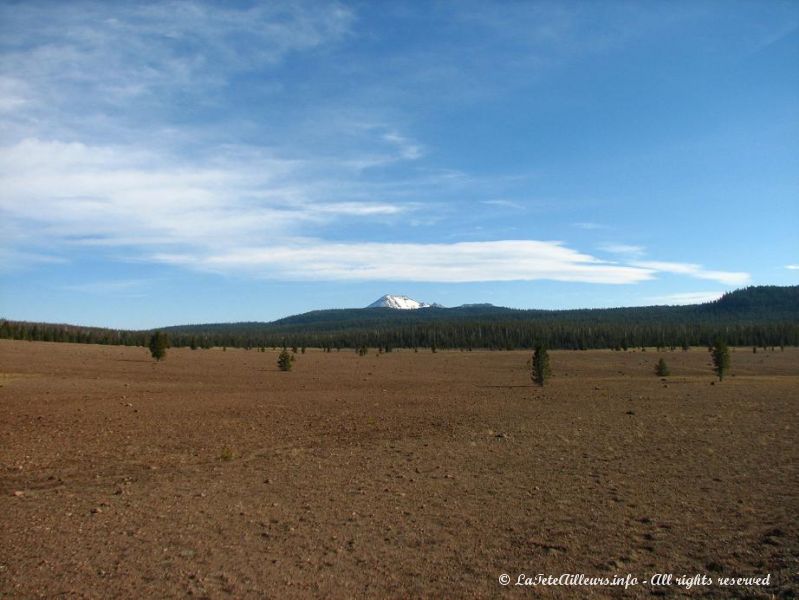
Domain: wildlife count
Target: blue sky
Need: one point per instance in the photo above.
(184, 162)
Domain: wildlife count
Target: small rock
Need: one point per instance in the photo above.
(18, 493)
(97, 510)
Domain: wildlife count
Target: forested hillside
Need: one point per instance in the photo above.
(762, 316)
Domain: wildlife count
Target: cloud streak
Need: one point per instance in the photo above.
(629, 250)
(188, 190)
(216, 218)
(506, 260)
(169, 47)
(127, 287)
(696, 271)
(127, 196)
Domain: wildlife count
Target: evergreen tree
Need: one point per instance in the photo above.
(284, 360)
(662, 369)
(541, 370)
(721, 359)
(159, 342)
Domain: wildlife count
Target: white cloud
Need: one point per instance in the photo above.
(686, 298)
(121, 195)
(503, 203)
(506, 260)
(697, 271)
(589, 226)
(13, 94)
(407, 149)
(112, 287)
(94, 71)
(624, 249)
(356, 209)
(792, 267)
(12, 259)
(166, 45)
(217, 217)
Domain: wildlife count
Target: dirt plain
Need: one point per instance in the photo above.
(214, 475)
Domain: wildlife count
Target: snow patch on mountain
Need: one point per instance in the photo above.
(399, 302)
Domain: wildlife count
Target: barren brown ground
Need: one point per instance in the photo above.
(212, 474)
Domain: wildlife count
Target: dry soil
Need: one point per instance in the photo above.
(214, 475)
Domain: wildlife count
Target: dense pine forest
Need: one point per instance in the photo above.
(755, 316)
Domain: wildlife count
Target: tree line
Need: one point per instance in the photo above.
(756, 316)
(445, 335)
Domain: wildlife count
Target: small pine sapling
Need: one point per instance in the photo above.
(284, 360)
(159, 342)
(721, 359)
(540, 371)
(662, 369)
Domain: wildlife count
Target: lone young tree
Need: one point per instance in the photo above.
(159, 342)
(662, 369)
(721, 359)
(541, 371)
(284, 360)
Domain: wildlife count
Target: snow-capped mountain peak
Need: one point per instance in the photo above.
(399, 302)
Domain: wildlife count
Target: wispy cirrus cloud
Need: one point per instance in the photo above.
(64, 51)
(588, 225)
(459, 262)
(506, 260)
(14, 260)
(628, 250)
(407, 149)
(108, 194)
(502, 203)
(696, 271)
(216, 217)
(141, 144)
(126, 287)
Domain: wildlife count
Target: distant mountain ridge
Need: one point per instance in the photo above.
(762, 307)
(752, 304)
(757, 315)
(398, 303)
